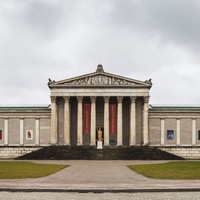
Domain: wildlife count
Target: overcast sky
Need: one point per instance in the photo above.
(139, 39)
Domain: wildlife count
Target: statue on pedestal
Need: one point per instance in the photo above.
(99, 134)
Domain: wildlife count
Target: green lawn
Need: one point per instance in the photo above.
(19, 170)
(171, 170)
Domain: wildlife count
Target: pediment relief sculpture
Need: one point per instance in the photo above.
(100, 80)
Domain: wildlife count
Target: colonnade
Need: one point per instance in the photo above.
(119, 120)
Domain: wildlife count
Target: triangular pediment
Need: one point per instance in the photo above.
(99, 78)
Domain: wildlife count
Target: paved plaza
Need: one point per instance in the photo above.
(98, 176)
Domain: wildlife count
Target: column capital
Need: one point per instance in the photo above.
(146, 99)
(66, 98)
(80, 99)
(133, 99)
(93, 99)
(106, 99)
(119, 99)
(53, 99)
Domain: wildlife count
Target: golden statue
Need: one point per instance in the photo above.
(99, 134)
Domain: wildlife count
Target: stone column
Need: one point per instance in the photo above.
(194, 122)
(37, 131)
(93, 121)
(66, 121)
(119, 121)
(145, 121)
(133, 121)
(106, 121)
(5, 131)
(178, 131)
(80, 122)
(162, 130)
(53, 120)
(21, 127)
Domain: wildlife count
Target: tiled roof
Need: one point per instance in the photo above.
(173, 107)
(25, 107)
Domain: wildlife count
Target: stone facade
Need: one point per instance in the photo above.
(119, 106)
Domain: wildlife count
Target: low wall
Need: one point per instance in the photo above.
(184, 152)
(14, 152)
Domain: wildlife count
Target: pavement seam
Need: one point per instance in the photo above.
(100, 190)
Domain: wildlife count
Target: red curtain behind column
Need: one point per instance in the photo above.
(87, 116)
(113, 119)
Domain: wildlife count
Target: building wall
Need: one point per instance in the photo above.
(25, 128)
(126, 121)
(183, 124)
(2, 130)
(198, 129)
(154, 131)
(139, 125)
(45, 131)
(13, 131)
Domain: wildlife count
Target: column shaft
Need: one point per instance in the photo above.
(80, 122)
(21, 122)
(53, 120)
(66, 121)
(162, 130)
(194, 121)
(178, 131)
(119, 121)
(106, 121)
(37, 131)
(133, 121)
(145, 121)
(93, 121)
(5, 131)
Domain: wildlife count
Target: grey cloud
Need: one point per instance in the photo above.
(43, 39)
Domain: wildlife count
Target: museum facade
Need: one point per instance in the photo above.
(116, 105)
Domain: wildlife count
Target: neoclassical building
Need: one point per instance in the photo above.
(116, 105)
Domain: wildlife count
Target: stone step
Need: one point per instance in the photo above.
(13, 152)
(92, 153)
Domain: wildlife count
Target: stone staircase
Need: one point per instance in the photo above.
(13, 152)
(92, 153)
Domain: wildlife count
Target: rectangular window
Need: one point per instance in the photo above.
(198, 134)
(1, 135)
(170, 134)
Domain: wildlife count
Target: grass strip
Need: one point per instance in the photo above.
(170, 170)
(21, 170)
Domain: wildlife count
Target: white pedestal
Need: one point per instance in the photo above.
(99, 145)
